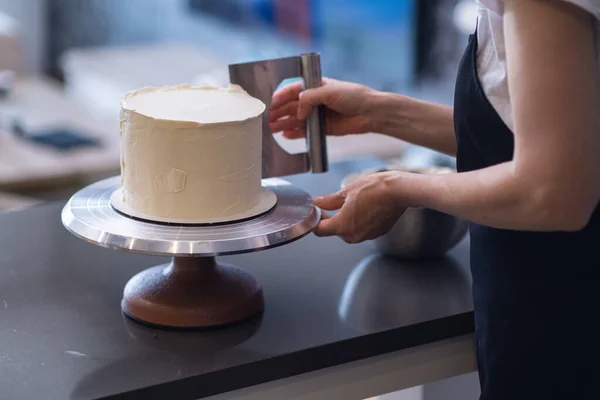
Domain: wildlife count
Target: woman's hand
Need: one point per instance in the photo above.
(353, 108)
(368, 209)
(347, 108)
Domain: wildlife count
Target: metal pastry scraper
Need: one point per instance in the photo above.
(260, 79)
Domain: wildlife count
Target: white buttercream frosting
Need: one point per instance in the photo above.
(203, 104)
(191, 152)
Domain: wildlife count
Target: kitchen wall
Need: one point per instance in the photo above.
(31, 14)
(376, 48)
(76, 23)
(382, 50)
(441, 41)
(53, 26)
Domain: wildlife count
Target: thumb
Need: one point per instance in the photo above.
(327, 227)
(310, 98)
(330, 202)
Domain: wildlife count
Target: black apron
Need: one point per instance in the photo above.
(536, 294)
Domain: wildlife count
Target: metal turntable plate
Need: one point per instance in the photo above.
(89, 215)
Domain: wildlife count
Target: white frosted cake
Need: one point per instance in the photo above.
(191, 154)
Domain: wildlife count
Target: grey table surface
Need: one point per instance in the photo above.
(63, 336)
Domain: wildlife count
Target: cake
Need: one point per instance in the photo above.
(191, 154)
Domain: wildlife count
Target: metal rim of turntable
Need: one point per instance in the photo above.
(90, 216)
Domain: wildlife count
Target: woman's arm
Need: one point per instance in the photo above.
(415, 121)
(553, 182)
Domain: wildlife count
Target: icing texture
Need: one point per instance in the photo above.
(191, 152)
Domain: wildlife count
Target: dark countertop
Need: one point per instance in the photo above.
(62, 334)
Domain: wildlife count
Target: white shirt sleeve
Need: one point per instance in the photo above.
(591, 6)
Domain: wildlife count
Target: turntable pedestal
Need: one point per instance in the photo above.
(192, 292)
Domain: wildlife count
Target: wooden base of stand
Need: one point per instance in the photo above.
(192, 293)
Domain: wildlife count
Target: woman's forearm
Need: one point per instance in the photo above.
(415, 121)
(499, 196)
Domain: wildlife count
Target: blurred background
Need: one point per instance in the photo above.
(65, 63)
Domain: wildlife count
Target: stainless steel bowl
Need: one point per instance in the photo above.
(419, 232)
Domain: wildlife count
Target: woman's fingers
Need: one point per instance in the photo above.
(295, 134)
(340, 223)
(286, 94)
(286, 124)
(293, 92)
(287, 109)
(324, 215)
(311, 98)
(331, 202)
(327, 227)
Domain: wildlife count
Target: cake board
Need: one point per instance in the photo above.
(267, 200)
(194, 290)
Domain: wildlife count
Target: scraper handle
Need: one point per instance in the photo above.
(315, 123)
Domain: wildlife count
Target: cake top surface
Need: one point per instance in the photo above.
(203, 104)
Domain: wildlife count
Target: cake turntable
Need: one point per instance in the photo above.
(195, 290)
